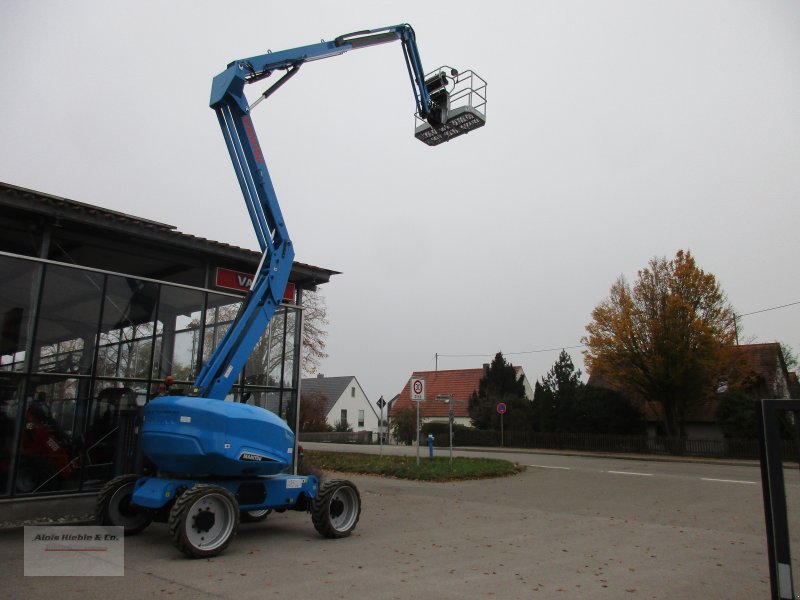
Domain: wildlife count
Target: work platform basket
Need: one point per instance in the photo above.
(461, 98)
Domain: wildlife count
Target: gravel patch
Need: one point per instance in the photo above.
(63, 520)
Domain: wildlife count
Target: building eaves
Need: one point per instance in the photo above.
(57, 208)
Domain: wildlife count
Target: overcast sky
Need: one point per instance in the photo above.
(617, 131)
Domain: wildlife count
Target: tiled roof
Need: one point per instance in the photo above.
(766, 361)
(459, 383)
(330, 388)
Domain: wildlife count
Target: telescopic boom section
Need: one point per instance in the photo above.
(233, 111)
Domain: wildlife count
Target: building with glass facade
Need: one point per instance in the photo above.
(97, 308)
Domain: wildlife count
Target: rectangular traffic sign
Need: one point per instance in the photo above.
(417, 389)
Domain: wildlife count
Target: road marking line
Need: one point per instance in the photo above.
(549, 467)
(630, 473)
(728, 480)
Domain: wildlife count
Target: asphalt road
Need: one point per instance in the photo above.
(569, 526)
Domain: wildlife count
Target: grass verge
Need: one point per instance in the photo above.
(405, 467)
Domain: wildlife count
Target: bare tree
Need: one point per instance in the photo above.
(276, 345)
(315, 332)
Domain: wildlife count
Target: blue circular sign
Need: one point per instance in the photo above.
(502, 408)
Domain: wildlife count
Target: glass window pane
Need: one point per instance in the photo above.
(49, 457)
(280, 365)
(278, 402)
(289, 403)
(219, 316)
(184, 357)
(108, 354)
(222, 308)
(179, 317)
(67, 324)
(275, 357)
(235, 395)
(291, 349)
(126, 338)
(112, 401)
(272, 400)
(257, 367)
(16, 304)
(11, 394)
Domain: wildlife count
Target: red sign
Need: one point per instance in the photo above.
(502, 408)
(241, 282)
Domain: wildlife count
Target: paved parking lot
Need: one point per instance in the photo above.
(584, 531)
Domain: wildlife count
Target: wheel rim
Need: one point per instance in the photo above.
(343, 508)
(209, 522)
(120, 510)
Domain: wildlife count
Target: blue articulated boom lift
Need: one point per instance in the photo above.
(219, 463)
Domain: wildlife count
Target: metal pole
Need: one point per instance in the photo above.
(451, 431)
(774, 493)
(298, 349)
(380, 428)
(501, 431)
(417, 432)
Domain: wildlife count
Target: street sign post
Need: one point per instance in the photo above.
(501, 409)
(773, 488)
(417, 392)
(381, 403)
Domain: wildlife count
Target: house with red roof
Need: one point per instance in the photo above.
(444, 387)
(771, 378)
(762, 365)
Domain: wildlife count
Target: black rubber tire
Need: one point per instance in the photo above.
(336, 509)
(113, 506)
(254, 516)
(219, 511)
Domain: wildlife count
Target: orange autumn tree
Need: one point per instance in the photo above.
(663, 339)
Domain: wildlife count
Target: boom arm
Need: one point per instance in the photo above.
(228, 100)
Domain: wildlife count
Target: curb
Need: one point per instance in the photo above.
(11, 526)
(621, 456)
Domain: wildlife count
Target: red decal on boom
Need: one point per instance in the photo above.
(251, 137)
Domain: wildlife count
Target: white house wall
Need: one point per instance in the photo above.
(781, 383)
(527, 383)
(352, 402)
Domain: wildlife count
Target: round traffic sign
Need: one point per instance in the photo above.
(417, 386)
(502, 408)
